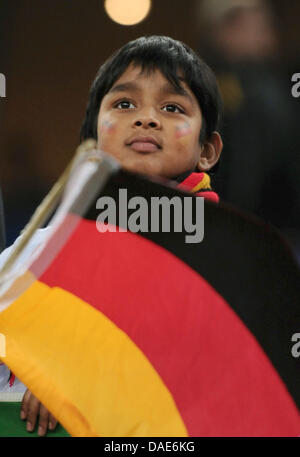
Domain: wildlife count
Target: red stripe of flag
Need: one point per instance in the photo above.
(221, 380)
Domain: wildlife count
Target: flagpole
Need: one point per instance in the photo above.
(48, 204)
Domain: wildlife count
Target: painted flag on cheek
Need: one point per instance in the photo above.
(143, 334)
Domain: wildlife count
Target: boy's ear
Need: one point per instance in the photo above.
(210, 153)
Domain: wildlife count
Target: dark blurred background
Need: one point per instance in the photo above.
(50, 52)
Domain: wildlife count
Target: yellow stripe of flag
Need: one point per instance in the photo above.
(103, 385)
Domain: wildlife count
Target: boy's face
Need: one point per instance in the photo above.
(150, 127)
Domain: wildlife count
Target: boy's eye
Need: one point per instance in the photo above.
(171, 108)
(124, 104)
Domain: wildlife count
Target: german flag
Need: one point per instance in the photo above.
(143, 334)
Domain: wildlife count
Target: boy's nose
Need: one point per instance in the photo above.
(147, 122)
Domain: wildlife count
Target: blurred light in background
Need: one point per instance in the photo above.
(127, 12)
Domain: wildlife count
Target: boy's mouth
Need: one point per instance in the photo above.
(143, 144)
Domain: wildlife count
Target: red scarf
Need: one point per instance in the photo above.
(199, 184)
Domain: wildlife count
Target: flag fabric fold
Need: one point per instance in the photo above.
(143, 334)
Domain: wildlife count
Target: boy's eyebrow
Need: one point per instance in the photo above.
(124, 87)
(168, 88)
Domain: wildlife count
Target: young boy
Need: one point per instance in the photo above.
(154, 106)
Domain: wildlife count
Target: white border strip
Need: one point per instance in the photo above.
(11, 396)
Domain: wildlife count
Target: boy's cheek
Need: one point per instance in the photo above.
(106, 127)
(183, 136)
(187, 140)
(105, 133)
(183, 130)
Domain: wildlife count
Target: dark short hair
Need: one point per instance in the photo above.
(175, 60)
